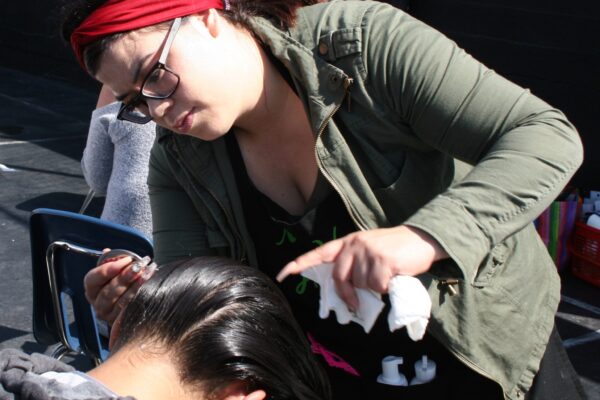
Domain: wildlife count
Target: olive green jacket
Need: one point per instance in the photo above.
(394, 105)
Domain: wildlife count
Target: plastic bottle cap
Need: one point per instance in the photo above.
(424, 371)
(390, 374)
(594, 221)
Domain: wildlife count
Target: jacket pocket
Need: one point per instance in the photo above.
(414, 186)
(491, 265)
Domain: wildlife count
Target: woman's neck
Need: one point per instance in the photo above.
(133, 371)
(278, 109)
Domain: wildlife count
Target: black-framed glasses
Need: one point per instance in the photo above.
(160, 83)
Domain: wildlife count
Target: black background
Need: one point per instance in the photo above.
(549, 46)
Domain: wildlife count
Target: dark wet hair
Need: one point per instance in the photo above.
(282, 13)
(224, 322)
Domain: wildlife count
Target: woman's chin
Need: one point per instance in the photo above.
(206, 133)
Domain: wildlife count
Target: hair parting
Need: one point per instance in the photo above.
(224, 322)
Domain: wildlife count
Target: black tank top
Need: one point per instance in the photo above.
(351, 357)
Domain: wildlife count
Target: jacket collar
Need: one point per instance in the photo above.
(319, 84)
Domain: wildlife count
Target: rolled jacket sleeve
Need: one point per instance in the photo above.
(178, 229)
(523, 151)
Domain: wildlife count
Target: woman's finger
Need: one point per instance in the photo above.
(322, 254)
(100, 276)
(347, 292)
(379, 278)
(361, 268)
(107, 298)
(114, 289)
(342, 274)
(123, 301)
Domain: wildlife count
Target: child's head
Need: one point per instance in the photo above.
(222, 323)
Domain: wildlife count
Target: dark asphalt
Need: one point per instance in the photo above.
(43, 124)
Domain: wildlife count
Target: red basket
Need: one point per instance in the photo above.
(585, 253)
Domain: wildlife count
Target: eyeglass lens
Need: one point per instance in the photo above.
(160, 84)
(133, 113)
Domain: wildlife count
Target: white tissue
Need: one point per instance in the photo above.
(410, 302)
(370, 304)
(411, 306)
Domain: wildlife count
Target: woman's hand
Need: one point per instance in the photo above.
(110, 287)
(369, 259)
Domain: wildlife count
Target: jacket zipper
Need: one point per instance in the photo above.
(347, 83)
(449, 285)
(476, 368)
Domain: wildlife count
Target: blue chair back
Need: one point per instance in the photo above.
(64, 247)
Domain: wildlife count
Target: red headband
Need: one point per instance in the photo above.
(126, 15)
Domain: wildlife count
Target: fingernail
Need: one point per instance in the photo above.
(282, 274)
(149, 270)
(144, 267)
(136, 267)
(132, 270)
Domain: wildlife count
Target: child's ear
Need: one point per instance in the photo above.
(256, 395)
(237, 391)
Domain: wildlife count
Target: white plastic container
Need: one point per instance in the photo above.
(424, 371)
(390, 374)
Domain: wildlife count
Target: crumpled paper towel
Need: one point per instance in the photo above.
(411, 306)
(410, 302)
(370, 303)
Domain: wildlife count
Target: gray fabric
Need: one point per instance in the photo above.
(115, 163)
(20, 379)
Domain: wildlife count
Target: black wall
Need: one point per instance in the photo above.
(549, 46)
(30, 41)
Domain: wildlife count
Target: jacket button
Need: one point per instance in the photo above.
(323, 48)
(334, 82)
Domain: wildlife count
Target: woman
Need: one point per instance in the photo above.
(205, 328)
(353, 126)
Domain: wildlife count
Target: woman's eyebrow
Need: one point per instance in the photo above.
(136, 74)
(138, 67)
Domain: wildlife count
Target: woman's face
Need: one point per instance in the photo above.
(218, 84)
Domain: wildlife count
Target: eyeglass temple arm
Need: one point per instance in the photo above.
(170, 38)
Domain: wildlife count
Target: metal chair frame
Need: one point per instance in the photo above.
(57, 276)
(59, 313)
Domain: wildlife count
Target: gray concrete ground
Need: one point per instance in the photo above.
(43, 124)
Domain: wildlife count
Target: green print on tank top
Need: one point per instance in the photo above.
(288, 237)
